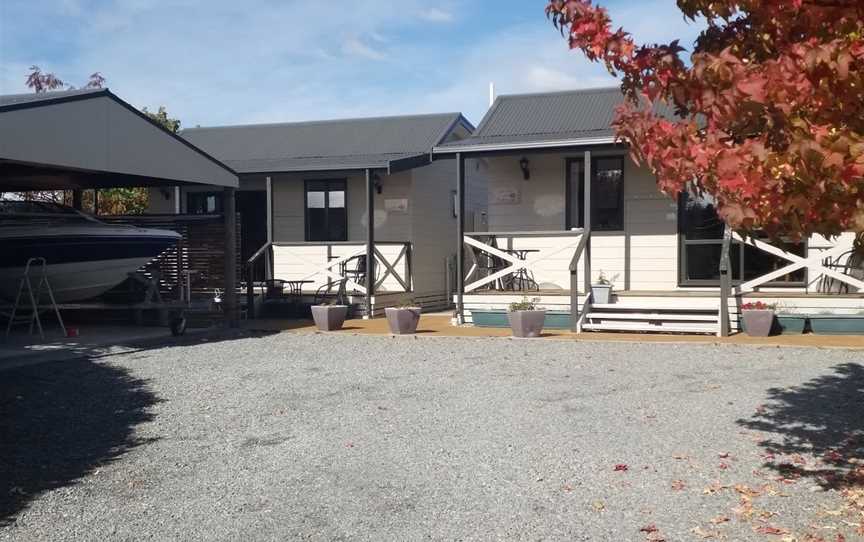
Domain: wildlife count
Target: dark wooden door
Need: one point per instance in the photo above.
(252, 207)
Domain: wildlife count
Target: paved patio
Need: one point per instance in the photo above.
(356, 437)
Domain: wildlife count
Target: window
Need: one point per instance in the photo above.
(607, 193)
(203, 203)
(326, 214)
(701, 234)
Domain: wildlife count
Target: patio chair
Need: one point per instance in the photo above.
(353, 269)
(849, 263)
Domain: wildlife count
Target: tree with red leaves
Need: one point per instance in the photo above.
(40, 81)
(769, 109)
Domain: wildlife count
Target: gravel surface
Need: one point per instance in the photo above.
(306, 436)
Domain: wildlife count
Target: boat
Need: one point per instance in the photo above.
(85, 257)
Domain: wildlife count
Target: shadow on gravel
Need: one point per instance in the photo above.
(823, 417)
(61, 420)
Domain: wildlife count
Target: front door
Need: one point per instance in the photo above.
(252, 206)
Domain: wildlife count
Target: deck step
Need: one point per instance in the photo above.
(641, 326)
(652, 316)
(655, 307)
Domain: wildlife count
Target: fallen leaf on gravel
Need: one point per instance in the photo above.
(678, 485)
(714, 488)
(746, 490)
(567, 487)
(680, 456)
(770, 529)
(651, 528)
(723, 455)
(723, 466)
(598, 506)
(719, 519)
(621, 467)
(702, 533)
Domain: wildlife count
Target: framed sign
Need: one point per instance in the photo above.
(396, 205)
(506, 196)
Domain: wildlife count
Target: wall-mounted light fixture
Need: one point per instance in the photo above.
(523, 165)
(378, 186)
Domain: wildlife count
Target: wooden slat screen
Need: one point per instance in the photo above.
(202, 250)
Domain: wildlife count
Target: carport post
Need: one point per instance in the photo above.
(370, 242)
(230, 296)
(460, 237)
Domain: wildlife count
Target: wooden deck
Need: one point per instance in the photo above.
(672, 293)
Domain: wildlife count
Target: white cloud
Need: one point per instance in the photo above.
(436, 15)
(355, 47)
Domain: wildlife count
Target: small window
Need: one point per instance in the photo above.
(607, 194)
(326, 211)
(203, 203)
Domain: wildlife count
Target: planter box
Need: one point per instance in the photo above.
(601, 293)
(403, 321)
(791, 324)
(329, 317)
(498, 318)
(527, 324)
(837, 324)
(757, 323)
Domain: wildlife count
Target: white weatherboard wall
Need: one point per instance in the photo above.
(650, 223)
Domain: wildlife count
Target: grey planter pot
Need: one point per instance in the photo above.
(403, 321)
(329, 317)
(758, 323)
(602, 293)
(527, 324)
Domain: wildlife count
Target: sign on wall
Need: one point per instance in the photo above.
(506, 196)
(396, 205)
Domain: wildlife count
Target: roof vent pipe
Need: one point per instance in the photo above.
(491, 93)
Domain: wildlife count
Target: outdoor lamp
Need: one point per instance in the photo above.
(523, 164)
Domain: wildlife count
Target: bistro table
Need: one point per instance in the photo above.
(524, 277)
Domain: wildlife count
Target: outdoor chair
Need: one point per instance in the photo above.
(849, 263)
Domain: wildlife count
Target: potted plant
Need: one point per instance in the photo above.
(601, 290)
(404, 318)
(758, 318)
(526, 320)
(329, 316)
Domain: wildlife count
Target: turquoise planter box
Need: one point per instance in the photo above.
(837, 324)
(498, 318)
(791, 324)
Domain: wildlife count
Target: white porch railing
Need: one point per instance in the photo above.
(515, 266)
(325, 263)
(816, 264)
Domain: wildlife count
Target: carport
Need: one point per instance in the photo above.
(84, 139)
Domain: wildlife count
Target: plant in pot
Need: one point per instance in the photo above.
(601, 290)
(404, 318)
(526, 319)
(329, 315)
(758, 318)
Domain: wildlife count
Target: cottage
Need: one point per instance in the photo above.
(562, 203)
(318, 200)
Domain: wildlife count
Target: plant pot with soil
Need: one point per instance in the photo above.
(403, 320)
(601, 290)
(329, 317)
(526, 319)
(758, 319)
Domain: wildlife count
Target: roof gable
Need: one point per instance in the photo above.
(325, 145)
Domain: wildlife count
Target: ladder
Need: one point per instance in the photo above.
(25, 286)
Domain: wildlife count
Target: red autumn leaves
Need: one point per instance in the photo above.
(771, 105)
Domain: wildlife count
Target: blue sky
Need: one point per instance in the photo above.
(214, 62)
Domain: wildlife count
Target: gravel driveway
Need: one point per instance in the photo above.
(304, 436)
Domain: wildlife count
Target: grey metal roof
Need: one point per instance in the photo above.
(344, 144)
(551, 118)
(92, 139)
(52, 96)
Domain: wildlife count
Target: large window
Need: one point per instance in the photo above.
(701, 233)
(326, 215)
(607, 193)
(203, 203)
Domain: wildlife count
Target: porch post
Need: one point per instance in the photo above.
(177, 205)
(268, 263)
(460, 236)
(370, 242)
(230, 296)
(587, 223)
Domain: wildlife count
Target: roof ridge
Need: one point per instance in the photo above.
(324, 121)
(591, 90)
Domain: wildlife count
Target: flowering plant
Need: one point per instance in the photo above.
(758, 306)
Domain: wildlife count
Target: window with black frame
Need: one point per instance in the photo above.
(204, 203)
(326, 213)
(701, 242)
(607, 193)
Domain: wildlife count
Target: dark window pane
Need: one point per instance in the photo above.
(326, 214)
(577, 194)
(606, 194)
(758, 263)
(699, 218)
(703, 262)
(316, 224)
(202, 203)
(338, 224)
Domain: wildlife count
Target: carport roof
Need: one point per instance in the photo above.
(392, 143)
(90, 138)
